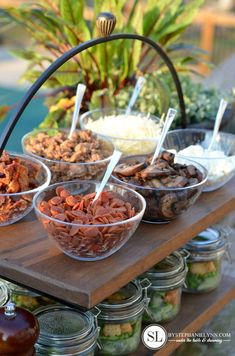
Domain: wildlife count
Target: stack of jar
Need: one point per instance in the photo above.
(155, 297)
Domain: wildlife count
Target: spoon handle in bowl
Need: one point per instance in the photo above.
(114, 160)
(219, 117)
(169, 118)
(139, 84)
(81, 88)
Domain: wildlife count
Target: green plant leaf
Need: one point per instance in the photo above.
(68, 74)
(101, 98)
(52, 120)
(71, 10)
(149, 20)
(72, 13)
(58, 25)
(29, 55)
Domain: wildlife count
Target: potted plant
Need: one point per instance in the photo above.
(107, 69)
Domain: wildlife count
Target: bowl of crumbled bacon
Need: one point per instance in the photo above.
(85, 229)
(20, 178)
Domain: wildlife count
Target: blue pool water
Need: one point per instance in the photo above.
(33, 115)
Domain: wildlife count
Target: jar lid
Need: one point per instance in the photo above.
(210, 240)
(59, 324)
(4, 294)
(168, 273)
(124, 297)
(168, 267)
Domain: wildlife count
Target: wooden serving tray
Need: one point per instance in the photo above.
(29, 258)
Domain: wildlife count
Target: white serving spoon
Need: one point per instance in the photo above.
(169, 118)
(81, 88)
(138, 86)
(113, 162)
(222, 107)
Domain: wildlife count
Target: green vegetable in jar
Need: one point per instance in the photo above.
(203, 276)
(122, 338)
(163, 306)
(30, 303)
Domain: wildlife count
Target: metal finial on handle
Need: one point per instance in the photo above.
(105, 23)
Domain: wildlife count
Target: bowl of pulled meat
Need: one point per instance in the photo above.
(83, 156)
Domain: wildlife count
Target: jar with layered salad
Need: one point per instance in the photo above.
(120, 319)
(27, 299)
(206, 251)
(167, 278)
(4, 294)
(65, 331)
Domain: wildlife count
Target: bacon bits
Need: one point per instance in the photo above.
(16, 175)
(87, 230)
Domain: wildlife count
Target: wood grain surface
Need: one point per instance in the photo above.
(29, 258)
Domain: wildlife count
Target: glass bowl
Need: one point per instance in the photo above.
(220, 169)
(88, 242)
(130, 141)
(165, 204)
(64, 171)
(14, 206)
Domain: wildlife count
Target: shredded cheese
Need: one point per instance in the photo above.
(142, 131)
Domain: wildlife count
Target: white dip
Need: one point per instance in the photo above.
(219, 165)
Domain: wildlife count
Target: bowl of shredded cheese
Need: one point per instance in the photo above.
(135, 133)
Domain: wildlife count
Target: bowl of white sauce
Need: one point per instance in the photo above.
(219, 161)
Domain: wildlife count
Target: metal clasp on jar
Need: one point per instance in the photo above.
(96, 311)
(145, 284)
(226, 232)
(184, 253)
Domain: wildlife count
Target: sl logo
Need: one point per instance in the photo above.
(154, 336)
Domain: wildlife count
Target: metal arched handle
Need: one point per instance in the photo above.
(71, 53)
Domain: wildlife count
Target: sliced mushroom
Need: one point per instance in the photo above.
(155, 183)
(193, 181)
(129, 170)
(180, 206)
(178, 182)
(166, 180)
(199, 175)
(168, 156)
(161, 164)
(167, 205)
(192, 171)
(153, 172)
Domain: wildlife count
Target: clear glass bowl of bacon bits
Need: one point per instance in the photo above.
(20, 178)
(87, 230)
(83, 156)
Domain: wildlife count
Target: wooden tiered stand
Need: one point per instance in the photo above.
(28, 258)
